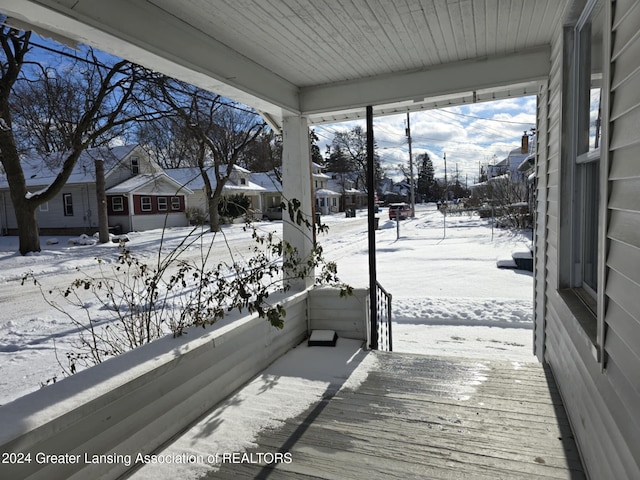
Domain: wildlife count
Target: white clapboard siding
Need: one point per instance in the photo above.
(541, 232)
(622, 267)
(602, 398)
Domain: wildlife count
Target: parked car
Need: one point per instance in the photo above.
(272, 213)
(401, 211)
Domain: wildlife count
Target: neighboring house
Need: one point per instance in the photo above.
(509, 181)
(527, 170)
(328, 201)
(140, 196)
(331, 195)
(239, 183)
(271, 188)
(327, 198)
(508, 166)
(349, 196)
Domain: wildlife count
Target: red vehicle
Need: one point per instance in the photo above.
(400, 211)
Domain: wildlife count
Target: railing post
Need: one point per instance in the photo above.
(389, 330)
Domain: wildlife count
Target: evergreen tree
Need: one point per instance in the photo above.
(316, 156)
(426, 177)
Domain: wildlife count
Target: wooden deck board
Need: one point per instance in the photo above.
(422, 417)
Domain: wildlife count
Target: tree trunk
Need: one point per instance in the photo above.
(28, 232)
(214, 214)
(103, 219)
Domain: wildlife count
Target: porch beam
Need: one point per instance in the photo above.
(418, 86)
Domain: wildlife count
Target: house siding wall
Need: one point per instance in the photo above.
(53, 220)
(137, 205)
(123, 170)
(160, 220)
(602, 398)
(541, 221)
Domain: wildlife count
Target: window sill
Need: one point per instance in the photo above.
(583, 308)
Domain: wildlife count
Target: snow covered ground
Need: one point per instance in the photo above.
(448, 296)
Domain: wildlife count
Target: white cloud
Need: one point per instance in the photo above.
(470, 135)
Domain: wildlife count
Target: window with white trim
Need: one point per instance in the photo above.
(117, 204)
(67, 204)
(175, 203)
(579, 201)
(588, 79)
(163, 205)
(135, 165)
(145, 204)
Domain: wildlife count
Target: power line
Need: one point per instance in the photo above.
(487, 119)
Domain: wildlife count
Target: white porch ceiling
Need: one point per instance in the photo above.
(326, 59)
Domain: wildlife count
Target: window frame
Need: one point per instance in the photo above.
(67, 204)
(586, 170)
(162, 203)
(176, 204)
(581, 211)
(146, 203)
(116, 208)
(135, 165)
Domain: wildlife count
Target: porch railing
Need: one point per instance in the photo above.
(383, 319)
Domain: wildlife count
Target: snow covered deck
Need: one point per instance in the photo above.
(404, 416)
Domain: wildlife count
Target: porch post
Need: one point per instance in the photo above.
(296, 185)
(371, 203)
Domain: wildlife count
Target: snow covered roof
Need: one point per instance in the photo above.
(188, 176)
(42, 170)
(527, 163)
(164, 183)
(191, 178)
(327, 192)
(267, 181)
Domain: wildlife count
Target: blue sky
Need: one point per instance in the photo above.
(470, 135)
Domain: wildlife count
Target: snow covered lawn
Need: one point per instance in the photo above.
(449, 298)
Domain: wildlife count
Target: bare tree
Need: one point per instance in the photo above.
(110, 99)
(506, 199)
(350, 155)
(168, 141)
(222, 133)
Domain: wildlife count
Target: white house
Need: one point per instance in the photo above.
(140, 195)
(271, 188)
(239, 182)
(508, 166)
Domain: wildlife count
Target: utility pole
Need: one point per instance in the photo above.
(412, 196)
(446, 184)
(445, 205)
